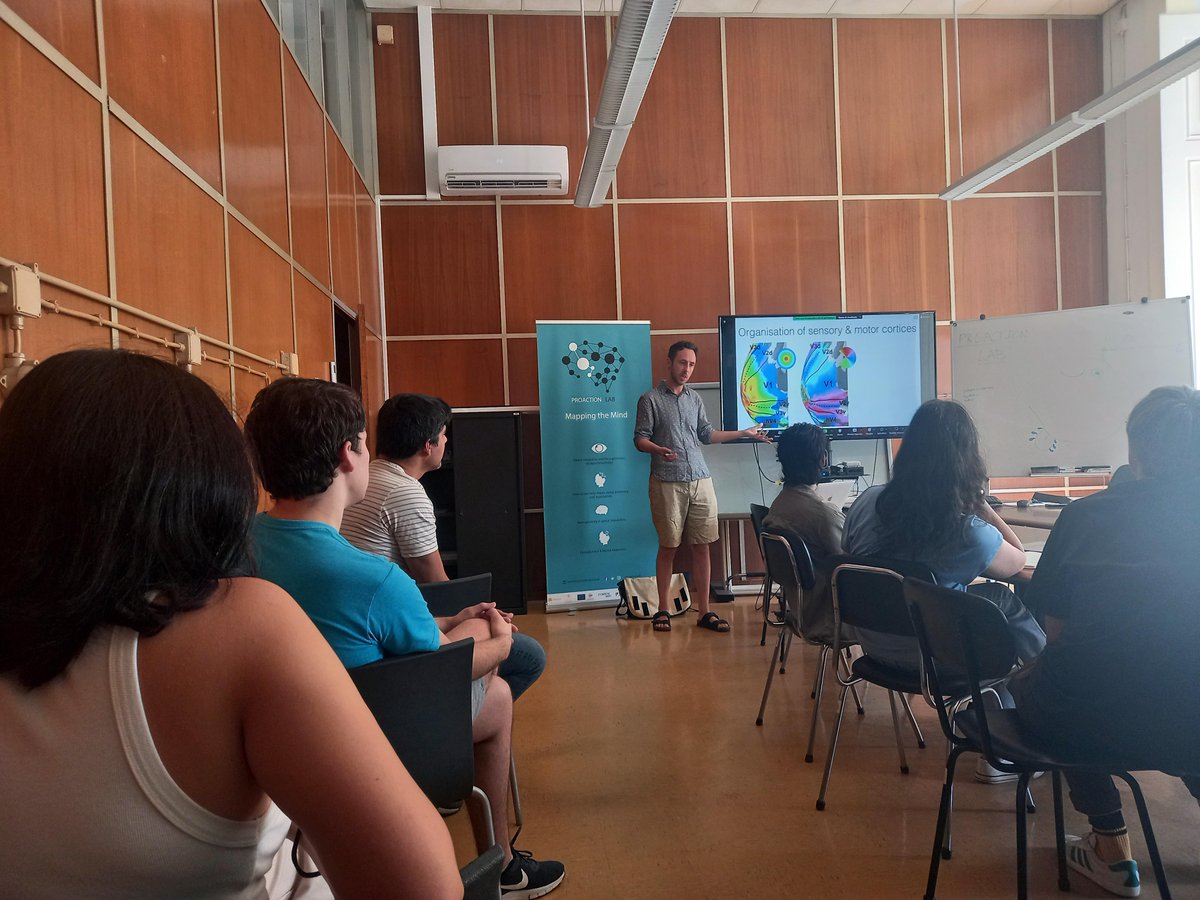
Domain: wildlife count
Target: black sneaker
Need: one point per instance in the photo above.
(526, 878)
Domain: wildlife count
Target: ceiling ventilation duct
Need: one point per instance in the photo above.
(641, 30)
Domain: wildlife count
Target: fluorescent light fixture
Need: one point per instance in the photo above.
(641, 30)
(1136, 89)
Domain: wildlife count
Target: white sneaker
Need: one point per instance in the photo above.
(986, 773)
(1120, 878)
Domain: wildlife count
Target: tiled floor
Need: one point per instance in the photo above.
(642, 769)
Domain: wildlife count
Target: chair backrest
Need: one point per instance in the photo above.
(868, 592)
(963, 637)
(758, 515)
(448, 598)
(960, 633)
(422, 703)
(789, 564)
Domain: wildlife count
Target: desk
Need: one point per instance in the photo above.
(1042, 517)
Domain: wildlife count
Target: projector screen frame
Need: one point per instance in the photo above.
(731, 362)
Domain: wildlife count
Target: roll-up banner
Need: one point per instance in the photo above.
(594, 482)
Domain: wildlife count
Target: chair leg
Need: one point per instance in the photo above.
(1022, 840)
(816, 693)
(514, 791)
(940, 834)
(762, 707)
(1060, 839)
(766, 602)
(896, 729)
(787, 649)
(844, 662)
(1160, 874)
(837, 728)
(912, 720)
(479, 805)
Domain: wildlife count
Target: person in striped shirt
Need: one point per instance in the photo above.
(395, 519)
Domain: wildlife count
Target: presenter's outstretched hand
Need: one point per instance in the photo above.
(756, 433)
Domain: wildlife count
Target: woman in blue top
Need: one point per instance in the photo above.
(933, 512)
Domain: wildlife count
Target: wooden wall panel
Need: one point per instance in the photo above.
(368, 256)
(890, 84)
(314, 329)
(464, 81)
(1084, 260)
(942, 345)
(247, 385)
(69, 25)
(343, 225)
(308, 192)
(162, 67)
(52, 185)
(708, 360)
(54, 333)
(398, 108)
(1004, 256)
(558, 264)
(370, 349)
(1078, 78)
(896, 256)
(1006, 95)
(539, 82)
(785, 257)
(677, 148)
(522, 372)
(674, 264)
(252, 110)
(463, 373)
(441, 270)
(260, 294)
(781, 135)
(170, 241)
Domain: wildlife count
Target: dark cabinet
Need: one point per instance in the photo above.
(478, 499)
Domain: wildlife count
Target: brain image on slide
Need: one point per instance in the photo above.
(824, 383)
(764, 383)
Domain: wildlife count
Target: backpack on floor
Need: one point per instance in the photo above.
(639, 597)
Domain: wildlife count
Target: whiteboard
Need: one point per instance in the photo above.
(1055, 389)
(735, 473)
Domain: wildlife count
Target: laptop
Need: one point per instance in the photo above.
(835, 492)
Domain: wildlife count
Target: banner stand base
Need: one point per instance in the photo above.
(582, 600)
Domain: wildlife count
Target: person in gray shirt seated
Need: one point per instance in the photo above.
(798, 512)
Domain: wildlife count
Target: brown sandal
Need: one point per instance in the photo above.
(713, 622)
(661, 620)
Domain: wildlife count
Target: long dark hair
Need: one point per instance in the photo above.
(129, 496)
(938, 478)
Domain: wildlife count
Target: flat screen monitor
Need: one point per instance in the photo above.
(856, 375)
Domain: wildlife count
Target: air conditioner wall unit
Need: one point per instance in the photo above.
(493, 169)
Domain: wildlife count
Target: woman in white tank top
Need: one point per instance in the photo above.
(152, 704)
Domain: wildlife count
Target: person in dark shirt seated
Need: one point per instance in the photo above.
(1119, 585)
(798, 512)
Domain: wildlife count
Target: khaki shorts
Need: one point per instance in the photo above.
(684, 512)
(478, 692)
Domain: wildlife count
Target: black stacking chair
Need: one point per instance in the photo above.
(868, 594)
(790, 566)
(963, 636)
(758, 513)
(448, 598)
(422, 703)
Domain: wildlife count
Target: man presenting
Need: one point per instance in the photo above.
(395, 519)
(671, 425)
